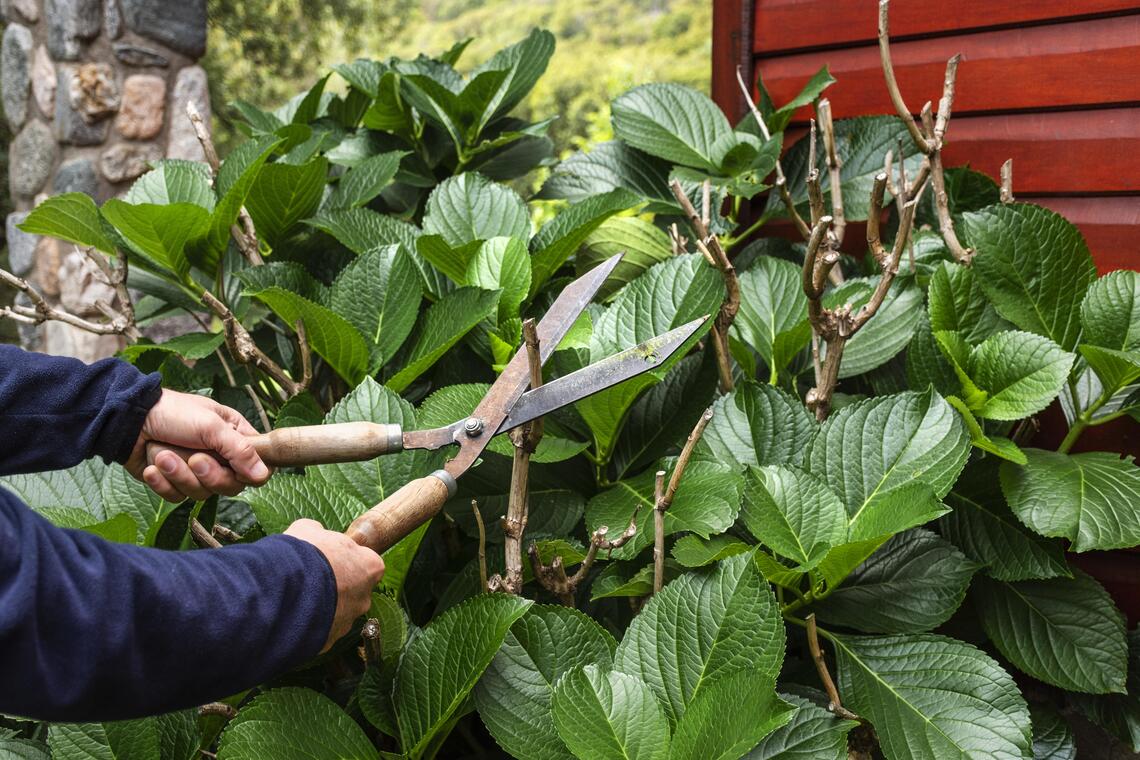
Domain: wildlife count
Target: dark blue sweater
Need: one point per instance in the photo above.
(91, 630)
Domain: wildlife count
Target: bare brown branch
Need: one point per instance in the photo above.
(834, 705)
(659, 507)
(892, 84)
(1007, 181)
(482, 547)
(244, 350)
(834, 166)
(203, 537)
(41, 311)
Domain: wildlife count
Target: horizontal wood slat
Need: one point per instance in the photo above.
(794, 24)
(1110, 226)
(1081, 64)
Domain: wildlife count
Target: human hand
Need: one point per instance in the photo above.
(356, 568)
(195, 422)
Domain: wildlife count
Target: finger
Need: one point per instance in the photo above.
(237, 449)
(304, 528)
(178, 472)
(236, 419)
(161, 486)
(214, 476)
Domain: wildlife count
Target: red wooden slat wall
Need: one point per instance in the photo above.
(1054, 86)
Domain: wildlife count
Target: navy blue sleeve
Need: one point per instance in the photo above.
(91, 630)
(56, 412)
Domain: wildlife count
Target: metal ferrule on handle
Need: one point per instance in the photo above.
(325, 444)
(384, 525)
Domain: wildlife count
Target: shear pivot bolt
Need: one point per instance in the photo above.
(473, 426)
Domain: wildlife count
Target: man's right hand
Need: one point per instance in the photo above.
(356, 568)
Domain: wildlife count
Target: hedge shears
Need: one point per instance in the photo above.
(506, 405)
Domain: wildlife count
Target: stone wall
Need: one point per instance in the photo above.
(92, 90)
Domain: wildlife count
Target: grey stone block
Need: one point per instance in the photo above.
(29, 9)
(112, 19)
(70, 127)
(30, 159)
(69, 23)
(189, 87)
(77, 176)
(137, 55)
(180, 25)
(21, 245)
(16, 73)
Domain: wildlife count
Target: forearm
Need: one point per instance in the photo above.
(96, 631)
(57, 412)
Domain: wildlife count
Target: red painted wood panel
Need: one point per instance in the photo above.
(1110, 226)
(729, 48)
(792, 24)
(1081, 64)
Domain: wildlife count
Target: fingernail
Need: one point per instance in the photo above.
(259, 471)
(167, 465)
(200, 468)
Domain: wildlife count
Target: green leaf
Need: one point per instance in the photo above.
(286, 498)
(1033, 265)
(375, 480)
(160, 234)
(706, 502)
(282, 195)
(440, 666)
(525, 62)
(641, 243)
(72, 217)
(773, 311)
(885, 334)
(1052, 737)
(758, 425)
(287, 275)
(1000, 447)
(1118, 714)
(608, 166)
(379, 295)
(366, 180)
(235, 178)
(843, 559)
(862, 144)
(121, 740)
(813, 733)
(729, 716)
(337, 341)
(551, 513)
(673, 122)
(1088, 498)
(1020, 374)
(174, 181)
(1116, 369)
(702, 625)
(619, 579)
(1110, 312)
(966, 190)
(560, 237)
(793, 513)
(80, 486)
(1063, 631)
(984, 528)
(515, 693)
(925, 364)
(904, 443)
(444, 323)
(471, 207)
(609, 716)
(502, 264)
(23, 749)
(958, 303)
(694, 551)
(913, 583)
(293, 722)
(932, 696)
(191, 346)
(454, 402)
(362, 229)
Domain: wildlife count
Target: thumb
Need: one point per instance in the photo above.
(237, 449)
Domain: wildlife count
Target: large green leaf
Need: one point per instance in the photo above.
(287, 497)
(641, 244)
(160, 234)
(1064, 631)
(440, 666)
(758, 425)
(773, 311)
(362, 229)
(173, 736)
(1110, 312)
(283, 195)
(913, 583)
(235, 179)
(862, 144)
(330, 335)
(293, 722)
(702, 625)
(561, 236)
(379, 295)
(502, 264)
(1118, 714)
(885, 334)
(604, 715)
(1052, 738)
(694, 551)
(729, 716)
(72, 217)
(608, 166)
(525, 62)
(673, 122)
(471, 207)
(984, 528)
(367, 179)
(79, 487)
(444, 323)
(23, 749)
(707, 502)
(813, 733)
(374, 480)
(793, 513)
(174, 181)
(1034, 266)
(515, 692)
(932, 696)
(925, 363)
(1088, 498)
(958, 303)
